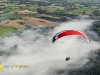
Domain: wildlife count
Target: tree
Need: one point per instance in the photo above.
(64, 2)
(96, 12)
(84, 12)
(24, 1)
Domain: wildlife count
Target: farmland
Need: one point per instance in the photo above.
(48, 11)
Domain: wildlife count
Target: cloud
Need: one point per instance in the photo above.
(34, 47)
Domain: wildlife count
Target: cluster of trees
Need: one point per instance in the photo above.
(24, 1)
(96, 12)
(61, 1)
(20, 1)
(86, 1)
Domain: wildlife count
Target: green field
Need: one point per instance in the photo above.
(6, 29)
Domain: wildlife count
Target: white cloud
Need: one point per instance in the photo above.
(35, 48)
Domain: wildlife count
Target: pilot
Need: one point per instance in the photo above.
(67, 58)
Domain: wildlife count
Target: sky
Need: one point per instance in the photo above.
(34, 47)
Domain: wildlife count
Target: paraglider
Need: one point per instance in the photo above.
(67, 33)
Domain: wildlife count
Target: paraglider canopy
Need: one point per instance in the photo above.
(67, 33)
